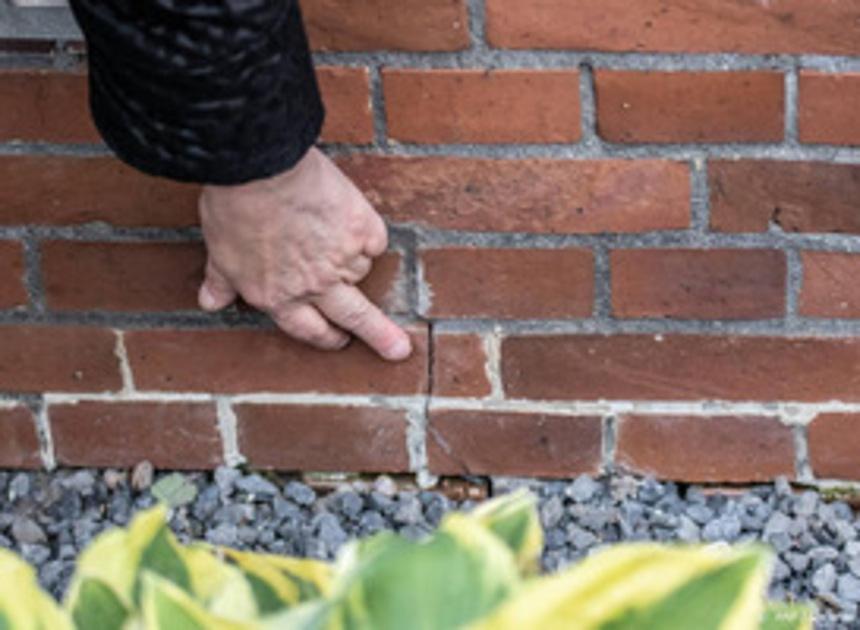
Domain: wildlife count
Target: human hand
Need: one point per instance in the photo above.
(294, 246)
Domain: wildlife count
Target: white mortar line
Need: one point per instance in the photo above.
(124, 365)
(227, 427)
(11, 404)
(46, 439)
(424, 290)
(261, 398)
(492, 367)
(416, 445)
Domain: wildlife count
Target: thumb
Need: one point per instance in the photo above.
(216, 292)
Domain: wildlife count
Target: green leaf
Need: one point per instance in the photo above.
(780, 616)
(514, 519)
(97, 607)
(175, 490)
(4, 622)
(703, 603)
(161, 557)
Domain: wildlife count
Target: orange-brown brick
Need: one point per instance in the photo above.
(698, 284)
(509, 283)
(460, 366)
(65, 190)
(170, 435)
(57, 359)
(12, 291)
(497, 106)
(543, 196)
(346, 93)
(122, 276)
(45, 106)
(831, 285)
(834, 442)
(787, 26)
(681, 367)
(718, 449)
(387, 24)
(753, 195)
(683, 107)
(490, 442)
(827, 108)
(323, 438)
(237, 361)
(19, 443)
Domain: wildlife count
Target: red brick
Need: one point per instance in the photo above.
(484, 106)
(122, 276)
(719, 449)
(698, 284)
(489, 442)
(387, 24)
(323, 438)
(460, 366)
(833, 446)
(555, 196)
(752, 195)
(689, 106)
(830, 285)
(169, 435)
(787, 26)
(238, 361)
(19, 442)
(681, 367)
(509, 283)
(12, 291)
(827, 108)
(45, 105)
(349, 115)
(58, 359)
(64, 190)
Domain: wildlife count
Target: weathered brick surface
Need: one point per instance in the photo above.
(19, 443)
(499, 106)
(346, 94)
(324, 438)
(787, 26)
(689, 106)
(509, 283)
(831, 285)
(45, 106)
(57, 359)
(65, 190)
(169, 435)
(698, 284)
(460, 366)
(827, 108)
(489, 442)
(12, 291)
(238, 361)
(699, 449)
(387, 24)
(834, 442)
(753, 195)
(555, 196)
(681, 367)
(122, 276)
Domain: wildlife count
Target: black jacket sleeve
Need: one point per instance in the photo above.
(209, 91)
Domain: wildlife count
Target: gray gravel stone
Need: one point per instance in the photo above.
(19, 486)
(824, 578)
(300, 493)
(848, 588)
(257, 486)
(226, 478)
(26, 531)
(583, 489)
(551, 512)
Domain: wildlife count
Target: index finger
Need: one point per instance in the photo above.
(350, 309)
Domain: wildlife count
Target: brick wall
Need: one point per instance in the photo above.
(623, 235)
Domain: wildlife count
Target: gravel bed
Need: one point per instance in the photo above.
(49, 517)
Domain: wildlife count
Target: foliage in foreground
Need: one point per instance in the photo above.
(478, 571)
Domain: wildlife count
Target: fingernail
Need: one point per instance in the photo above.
(400, 350)
(207, 300)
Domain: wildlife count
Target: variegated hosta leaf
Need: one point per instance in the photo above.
(175, 490)
(165, 606)
(645, 586)
(23, 605)
(514, 519)
(279, 582)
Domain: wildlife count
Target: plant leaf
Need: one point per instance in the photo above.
(175, 490)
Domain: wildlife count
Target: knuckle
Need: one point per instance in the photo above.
(356, 315)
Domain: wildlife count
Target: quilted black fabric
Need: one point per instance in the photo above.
(209, 91)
